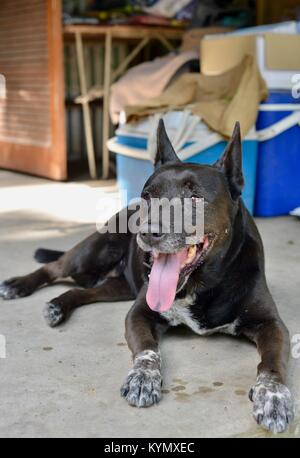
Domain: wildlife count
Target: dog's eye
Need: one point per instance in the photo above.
(146, 195)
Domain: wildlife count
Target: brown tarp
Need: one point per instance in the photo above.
(219, 100)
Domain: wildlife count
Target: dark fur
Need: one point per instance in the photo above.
(43, 255)
(230, 284)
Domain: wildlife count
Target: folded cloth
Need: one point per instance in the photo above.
(295, 212)
(146, 81)
(219, 100)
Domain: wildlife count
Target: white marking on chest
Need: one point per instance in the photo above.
(180, 313)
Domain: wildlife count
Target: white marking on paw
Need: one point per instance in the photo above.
(273, 407)
(7, 292)
(142, 386)
(148, 358)
(53, 314)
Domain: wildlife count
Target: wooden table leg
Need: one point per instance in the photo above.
(165, 42)
(106, 120)
(128, 59)
(85, 107)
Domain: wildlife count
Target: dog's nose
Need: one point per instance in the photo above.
(157, 235)
(152, 235)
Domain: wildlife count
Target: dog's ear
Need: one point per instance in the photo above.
(165, 151)
(231, 163)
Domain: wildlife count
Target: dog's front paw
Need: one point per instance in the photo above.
(14, 288)
(273, 407)
(142, 387)
(54, 314)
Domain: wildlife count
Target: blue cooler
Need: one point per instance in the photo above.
(278, 169)
(134, 165)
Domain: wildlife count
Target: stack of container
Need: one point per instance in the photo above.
(135, 146)
(271, 155)
(278, 170)
(277, 50)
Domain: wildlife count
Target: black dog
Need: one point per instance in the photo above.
(216, 285)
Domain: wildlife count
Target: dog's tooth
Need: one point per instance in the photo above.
(191, 254)
(192, 251)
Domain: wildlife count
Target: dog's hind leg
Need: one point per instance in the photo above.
(43, 255)
(112, 289)
(88, 262)
(24, 286)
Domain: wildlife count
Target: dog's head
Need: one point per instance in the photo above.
(217, 188)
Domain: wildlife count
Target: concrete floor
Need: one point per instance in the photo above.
(65, 382)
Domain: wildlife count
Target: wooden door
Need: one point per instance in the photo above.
(32, 131)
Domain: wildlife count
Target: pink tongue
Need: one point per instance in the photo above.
(163, 280)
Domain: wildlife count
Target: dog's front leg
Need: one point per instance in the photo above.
(142, 386)
(272, 401)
